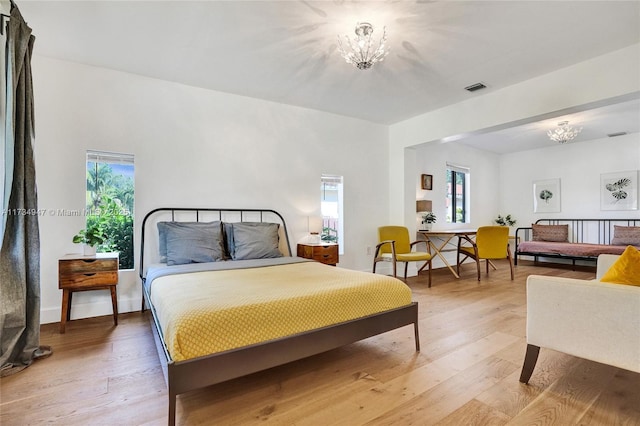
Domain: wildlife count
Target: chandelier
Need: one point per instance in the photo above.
(362, 53)
(563, 133)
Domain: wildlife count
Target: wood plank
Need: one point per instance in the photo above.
(473, 345)
(570, 396)
(616, 405)
(475, 413)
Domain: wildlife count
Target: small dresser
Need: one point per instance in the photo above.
(83, 273)
(324, 253)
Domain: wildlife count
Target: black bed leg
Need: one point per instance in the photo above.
(417, 336)
(172, 409)
(530, 359)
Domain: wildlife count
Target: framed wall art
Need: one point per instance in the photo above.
(619, 190)
(546, 196)
(427, 182)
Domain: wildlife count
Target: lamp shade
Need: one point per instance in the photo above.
(423, 206)
(315, 224)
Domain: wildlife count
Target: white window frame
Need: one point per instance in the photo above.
(339, 182)
(466, 196)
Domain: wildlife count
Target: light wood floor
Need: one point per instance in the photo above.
(473, 343)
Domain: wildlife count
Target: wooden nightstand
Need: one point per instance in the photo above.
(323, 253)
(82, 273)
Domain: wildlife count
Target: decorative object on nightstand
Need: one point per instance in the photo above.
(315, 229)
(83, 273)
(90, 237)
(324, 253)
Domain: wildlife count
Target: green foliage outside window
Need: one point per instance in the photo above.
(329, 235)
(110, 208)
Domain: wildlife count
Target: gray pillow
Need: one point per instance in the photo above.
(192, 242)
(163, 228)
(254, 240)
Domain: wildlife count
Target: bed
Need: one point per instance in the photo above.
(254, 306)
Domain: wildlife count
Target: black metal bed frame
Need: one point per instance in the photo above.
(184, 376)
(578, 228)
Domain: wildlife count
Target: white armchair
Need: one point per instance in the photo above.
(588, 319)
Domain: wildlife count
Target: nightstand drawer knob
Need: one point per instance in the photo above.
(88, 260)
(89, 275)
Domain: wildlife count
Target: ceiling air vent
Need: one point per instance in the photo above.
(613, 135)
(475, 87)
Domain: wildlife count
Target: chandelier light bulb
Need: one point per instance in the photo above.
(361, 51)
(563, 133)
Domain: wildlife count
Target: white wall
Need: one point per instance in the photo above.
(578, 165)
(484, 169)
(194, 147)
(432, 158)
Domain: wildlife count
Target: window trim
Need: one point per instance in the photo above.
(116, 158)
(339, 181)
(454, 170)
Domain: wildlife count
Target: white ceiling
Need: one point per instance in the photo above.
(286, 51)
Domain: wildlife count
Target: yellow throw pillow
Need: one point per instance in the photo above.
(625, 270)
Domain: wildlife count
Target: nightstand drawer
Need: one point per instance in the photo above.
(87, 272)
(82, 266)
(327, 254)
(88, 279)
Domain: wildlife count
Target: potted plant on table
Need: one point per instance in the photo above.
(428, 219)
(90, 237)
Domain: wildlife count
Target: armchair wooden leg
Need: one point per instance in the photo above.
(427, 263)
(406, 266)
(530, 359)
(478, 267)
(510, 257)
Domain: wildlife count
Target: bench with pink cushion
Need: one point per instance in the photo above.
(576, 239)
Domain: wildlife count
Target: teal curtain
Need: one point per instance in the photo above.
(20, 252)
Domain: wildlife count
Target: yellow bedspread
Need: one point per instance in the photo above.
(206, 312)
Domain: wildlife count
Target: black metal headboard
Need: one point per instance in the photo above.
(197, 214)
(595, 231)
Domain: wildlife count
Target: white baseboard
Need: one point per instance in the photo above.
(88, 310)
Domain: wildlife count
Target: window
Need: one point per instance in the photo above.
(457, 194)
(331, 207)
(110, 199)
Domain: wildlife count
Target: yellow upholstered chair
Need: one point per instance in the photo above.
(491, 242)
(394, 246)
